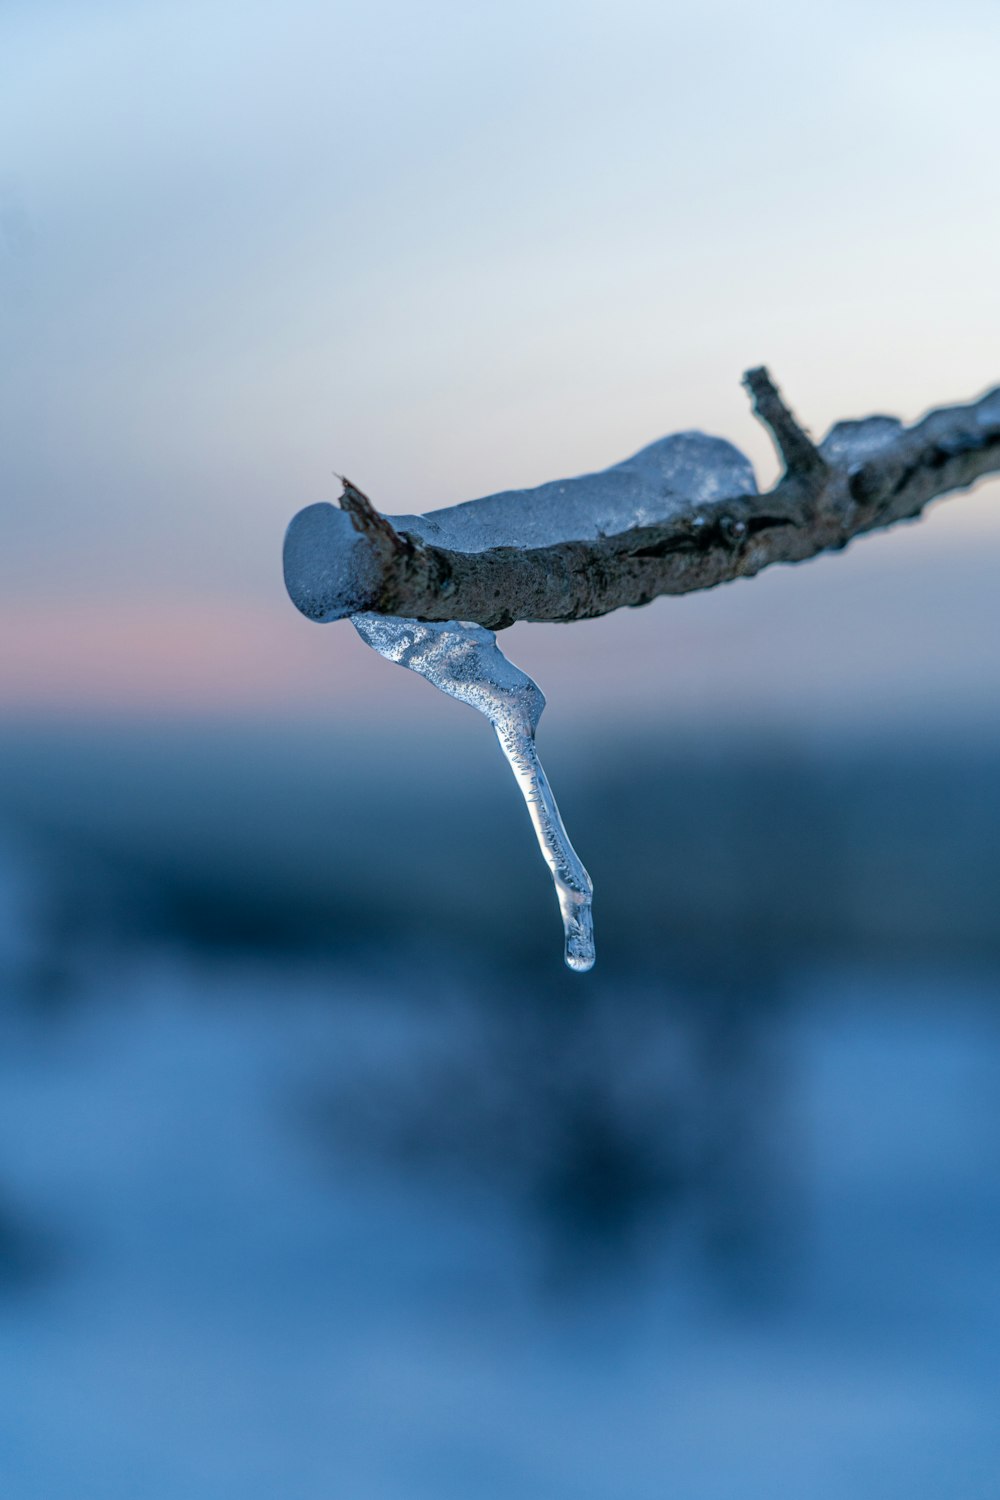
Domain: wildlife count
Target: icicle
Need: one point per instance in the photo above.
(465, 662)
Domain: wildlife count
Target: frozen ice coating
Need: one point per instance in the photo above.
(661, 521)
(328, 566)
(640, 491)
(465, 662)
(327, 574)
(854, 442)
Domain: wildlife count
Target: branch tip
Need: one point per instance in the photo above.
(366, 519)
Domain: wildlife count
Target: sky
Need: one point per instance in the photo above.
(450, 250)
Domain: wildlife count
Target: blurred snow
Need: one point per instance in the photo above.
(234, 1304)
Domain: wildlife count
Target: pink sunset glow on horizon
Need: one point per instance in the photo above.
(169, 656)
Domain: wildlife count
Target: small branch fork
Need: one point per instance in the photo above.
(795, 447)
(822, 500)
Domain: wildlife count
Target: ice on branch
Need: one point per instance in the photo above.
(334, 557)
(682, 514)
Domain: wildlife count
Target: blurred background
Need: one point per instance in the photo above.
(318, 1173)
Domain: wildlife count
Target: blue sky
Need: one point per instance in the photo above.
(448, 250)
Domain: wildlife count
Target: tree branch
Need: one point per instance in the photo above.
(692, 519)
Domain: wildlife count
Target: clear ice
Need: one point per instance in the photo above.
(326, 574)
(465, 662)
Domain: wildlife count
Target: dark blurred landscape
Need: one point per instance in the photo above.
(307, 1131)
(729, 854)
